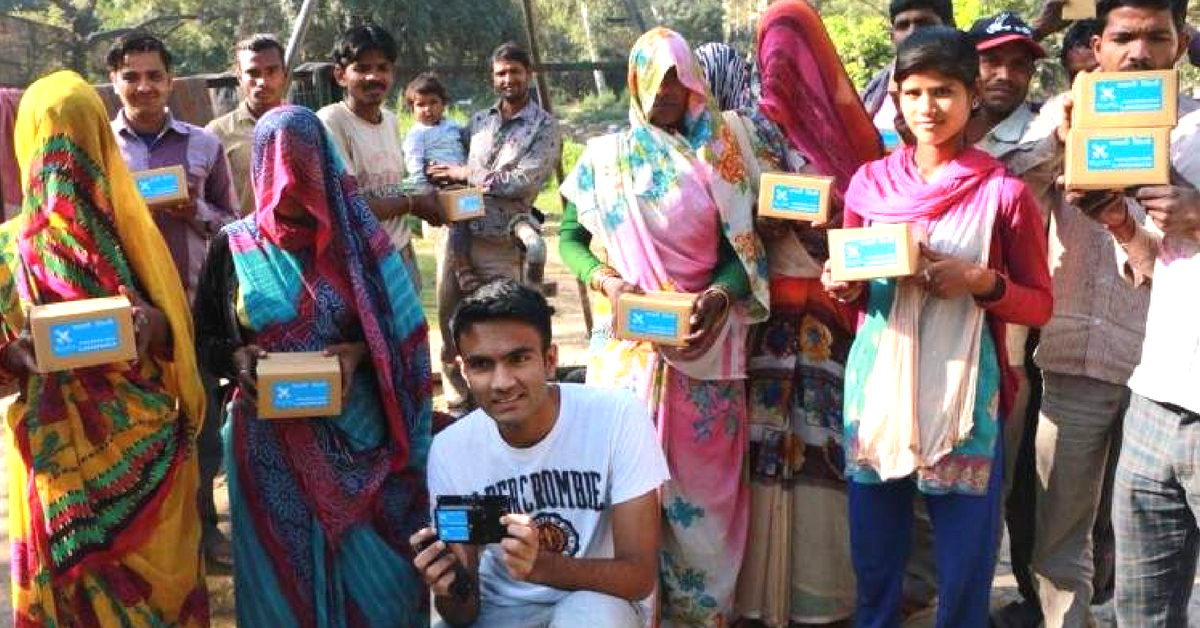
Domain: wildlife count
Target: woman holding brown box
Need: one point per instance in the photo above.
(808, 121)
(671, 204)
(925, 384)
(322, 507)
(102, 469)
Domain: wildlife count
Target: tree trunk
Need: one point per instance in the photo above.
(590, 44)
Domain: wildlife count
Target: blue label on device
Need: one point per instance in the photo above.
(1128, 95)
(300, 394)
(1120, 153)
(470, 204)
(795, 199)
(891, 139)
(452, 526)
(80, 337)
(653, 322)
(875, 252)
(156, 185)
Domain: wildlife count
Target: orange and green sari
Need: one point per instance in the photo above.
(102, 472)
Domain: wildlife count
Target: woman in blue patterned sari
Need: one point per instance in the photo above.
(321, 508)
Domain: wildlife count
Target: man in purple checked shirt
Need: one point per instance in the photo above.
(139, 67)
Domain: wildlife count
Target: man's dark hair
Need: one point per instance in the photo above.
(504, 300)
(425, 84)
(940, 49)
(1078, 36)
(1178, 9)
(360, 39)
(139, 41)
(511, 51)
(259, 42)
(944, 9)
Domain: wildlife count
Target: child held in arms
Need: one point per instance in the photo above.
(435, 139)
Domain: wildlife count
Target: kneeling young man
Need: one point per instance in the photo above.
(580, 463)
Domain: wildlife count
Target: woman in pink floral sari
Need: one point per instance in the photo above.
(671, 204)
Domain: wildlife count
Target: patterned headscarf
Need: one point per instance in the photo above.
(727, 75)
(704, 135)
(805, 91)
(293, 158)
(84, 229)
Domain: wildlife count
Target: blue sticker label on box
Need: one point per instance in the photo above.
(1120, 153)
(156, 185)
(300, 394)
(1128, 95)
(648, 322)
(796, 199)
(891, 139)
(80, 337)
(874, 252)
(470, 204)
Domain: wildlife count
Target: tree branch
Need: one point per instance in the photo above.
(144, 24)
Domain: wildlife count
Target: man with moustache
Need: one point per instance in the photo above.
(1008, 55)
(515, 146)
(148, 136)
(368, 136)
(581, 465)
(258, 64)
(1121, 353)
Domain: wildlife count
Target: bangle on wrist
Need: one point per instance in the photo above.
(600, 275)
(722, 292)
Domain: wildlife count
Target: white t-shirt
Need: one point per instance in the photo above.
(602, 451)
(373, 155)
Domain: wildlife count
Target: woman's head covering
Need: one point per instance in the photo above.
(294, 158)
(84, 229)
(705, 138)
(806, 92)
(727, 75)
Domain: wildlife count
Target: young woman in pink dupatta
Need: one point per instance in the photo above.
(925, 383)
(669, 200)
(797, 569)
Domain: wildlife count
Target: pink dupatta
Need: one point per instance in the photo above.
(919, 396)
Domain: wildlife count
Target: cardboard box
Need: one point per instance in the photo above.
(873, 252)
(162, 187)
(794, 196)
(88, 332)
(299, 384)
(1079, 9)
(461, 203)
(1125, 99)
(1113, 159)
(660, 317)
(891, 139)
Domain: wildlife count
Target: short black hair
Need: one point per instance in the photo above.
(504, 300)
(1178, 9)
(512, 51)
(425, 84)
(1078, 36)
(259, 42)
(137, 41)
(944, 9)
(361, 39)
(941, 49)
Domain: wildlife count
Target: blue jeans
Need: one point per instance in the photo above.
(965, 528)
(1156, 504)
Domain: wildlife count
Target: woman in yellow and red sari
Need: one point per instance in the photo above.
(671, 204)
(102, 467)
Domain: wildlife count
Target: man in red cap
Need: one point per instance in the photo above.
(1008, 55)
